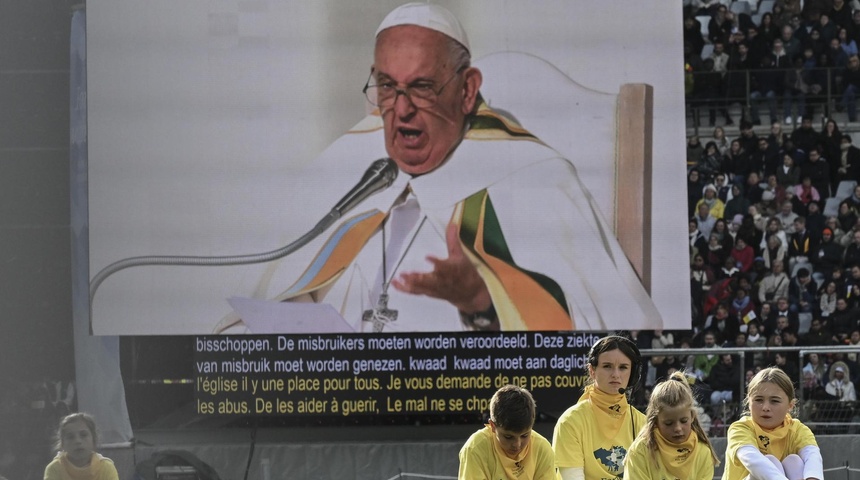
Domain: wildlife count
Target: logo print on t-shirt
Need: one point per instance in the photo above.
(612, 458)
(764, 439)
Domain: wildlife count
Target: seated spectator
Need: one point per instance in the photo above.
(790, 338)
(827, 299)
(815, 221)
(662, 339)
(805, 137)
(772, 227)
(843, 321)
(698, 242)
(816, 366)
(755, 340)
(718, 320)
(788, 173)
(739, 204)
(801, 245)
(817, 335)
(642, 338)
(753, 189)
(786, 217)
(852, 252)
(839, 385)
(694, 151)
(724, 187)
(801, 292)
(832, 222)
(784, 317)
(847, 218)
(720, 140)
(695, 183)
(782, 362)
(709, 198)
(775, 252)
(701, 279)
(721, 291)
(743, 255)
(704, 363)
(710, 163)
(837, 276)
(774, 285)
(739, 309)
(811, 386)
(853, 296)
(852, 279)
(828, 255)
(817, 168)
(852, 373)
(705, 220)
(854, 341)
(724, 380)
(729, 269)
(848, 163)
(721, 230)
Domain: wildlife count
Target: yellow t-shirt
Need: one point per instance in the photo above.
(642, 466)
(481, 458)
(780, 442)
(579, 439)
(100, 468)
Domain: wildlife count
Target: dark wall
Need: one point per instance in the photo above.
(35, 285)
(36, 344)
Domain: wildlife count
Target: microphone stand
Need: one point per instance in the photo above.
(379, 175)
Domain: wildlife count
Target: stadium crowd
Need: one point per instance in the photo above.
(774, 213)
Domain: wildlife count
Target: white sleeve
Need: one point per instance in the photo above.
(758, 466)
(813, 465)
(572, 473)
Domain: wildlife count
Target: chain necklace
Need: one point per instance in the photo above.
(381, 315)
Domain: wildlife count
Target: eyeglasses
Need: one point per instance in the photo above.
(421, 94)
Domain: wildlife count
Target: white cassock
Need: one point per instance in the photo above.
(528, 223)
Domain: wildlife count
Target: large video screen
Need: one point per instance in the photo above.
(223, 130)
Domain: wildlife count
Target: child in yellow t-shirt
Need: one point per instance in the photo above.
(76, 458)
(673, 444)
(507, 447)
(591, 438)
(767, 443)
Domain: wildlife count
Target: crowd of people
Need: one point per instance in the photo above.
(790, 60)
(768, 266)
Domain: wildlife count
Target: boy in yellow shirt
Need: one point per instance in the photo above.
(507, 447)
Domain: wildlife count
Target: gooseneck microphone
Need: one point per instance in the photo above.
(379, 176)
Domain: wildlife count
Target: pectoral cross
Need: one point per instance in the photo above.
(380, 315)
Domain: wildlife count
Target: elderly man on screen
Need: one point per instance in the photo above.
(485, 227)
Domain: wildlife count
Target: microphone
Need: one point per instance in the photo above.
(378, 176)
(622, 391)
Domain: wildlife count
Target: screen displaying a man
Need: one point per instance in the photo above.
(485, 228)
(519, 189)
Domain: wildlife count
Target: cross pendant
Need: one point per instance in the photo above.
(380, 315)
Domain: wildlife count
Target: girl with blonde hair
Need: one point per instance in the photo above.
(673, 443)
(767, 443)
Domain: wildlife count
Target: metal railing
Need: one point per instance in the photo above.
(736, 86)
(807, 408)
